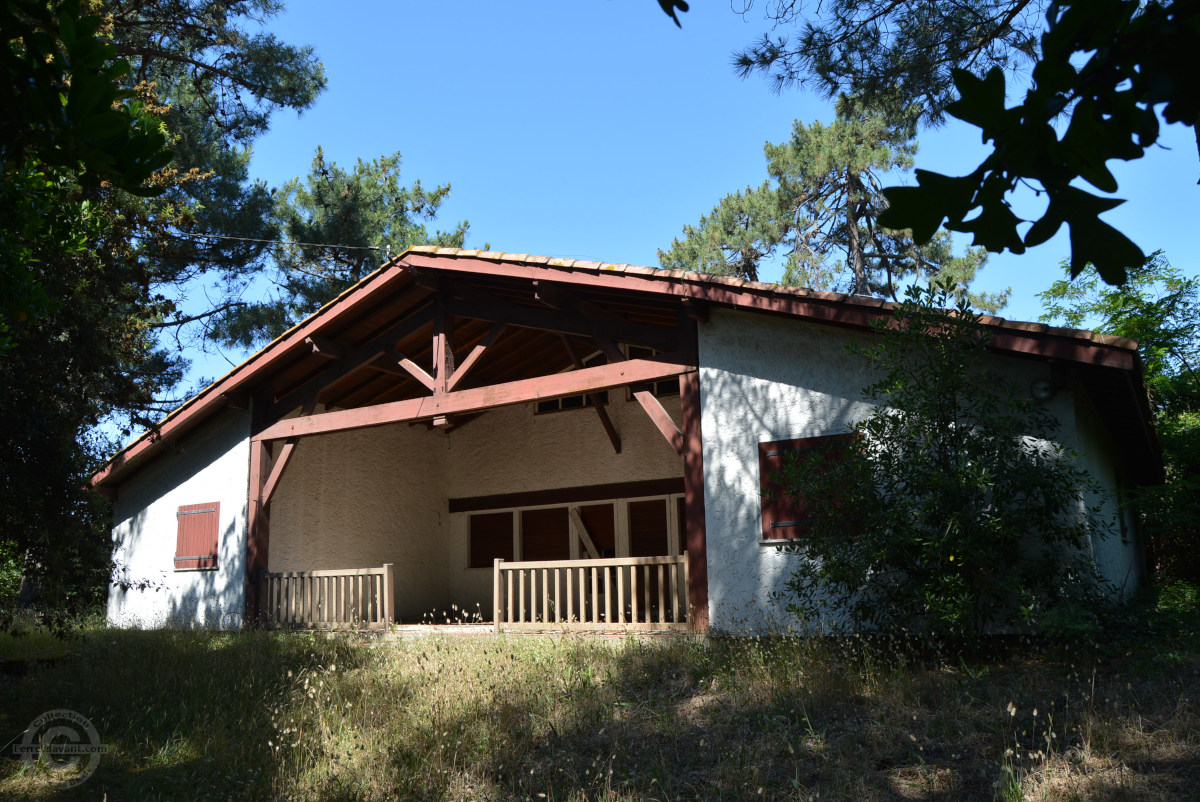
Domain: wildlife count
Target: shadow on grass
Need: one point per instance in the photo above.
(260, 715)
(187, 714)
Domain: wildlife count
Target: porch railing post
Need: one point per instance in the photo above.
(389, 595)
(496, 594)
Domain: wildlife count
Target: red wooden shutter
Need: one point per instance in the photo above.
(196, 535)
(491, 537)
(787, 517)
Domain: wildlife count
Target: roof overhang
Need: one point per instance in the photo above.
(349, 349)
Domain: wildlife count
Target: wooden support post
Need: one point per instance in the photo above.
(443, 352)
(258, 525)
(497, 594)
(693, 487)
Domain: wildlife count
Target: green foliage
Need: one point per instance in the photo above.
(817, 213)
(1158, 306)
(215, 77)
(74, 315)
(956, 512)
(64, 110)
(85, 354)
(1109, 68)
(366, 210)
(874, 49)
(62, 99)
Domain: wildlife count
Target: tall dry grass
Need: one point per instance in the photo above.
(201, 715)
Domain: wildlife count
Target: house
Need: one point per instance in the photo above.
(537, 442)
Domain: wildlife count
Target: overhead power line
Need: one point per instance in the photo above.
(385, 248)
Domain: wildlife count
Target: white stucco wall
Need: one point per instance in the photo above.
(211, 464)
(765, 379)
(761, 379)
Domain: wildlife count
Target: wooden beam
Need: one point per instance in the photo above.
(693, 489)
(585, 536)
(662, 419)
(368, 352)
(569, 495)
(258, 520)
(657, 337)
(325, 347)
(236, 400)
(281, 461)
(463, 370)
(695, 310)
(443, 356)
(559, 297)
(413, 369)
(653, 407)
(575, 382)
(594, 400)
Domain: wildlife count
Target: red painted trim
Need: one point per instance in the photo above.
(693, 490)
(1009, 336)
(836, 310)
(258, 526)
(569, 495)
(345, 306)
(576, 382)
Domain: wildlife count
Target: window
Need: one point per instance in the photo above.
(546, 534)
(661, 388)
(601, 523)
(576, 401)
(491, 537)
(788, 517)
(648, 535)
(681, 523)
(196, 535)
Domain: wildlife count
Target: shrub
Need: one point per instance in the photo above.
(956, 511)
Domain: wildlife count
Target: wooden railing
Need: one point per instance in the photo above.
(616, 594)
(353, 598)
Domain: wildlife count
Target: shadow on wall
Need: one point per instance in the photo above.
(206, 599)
(147, 591)
(747, 404)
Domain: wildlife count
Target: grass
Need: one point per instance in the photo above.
(203, 715)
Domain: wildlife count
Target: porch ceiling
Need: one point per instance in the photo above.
(538, 321)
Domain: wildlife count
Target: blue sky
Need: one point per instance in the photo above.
(596, 129)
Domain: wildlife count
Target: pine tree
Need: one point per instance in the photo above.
(817, 214)
(366, 211)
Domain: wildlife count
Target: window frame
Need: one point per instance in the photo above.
(594, 359)
(192, 532)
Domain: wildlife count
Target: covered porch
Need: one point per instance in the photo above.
(458, 447)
